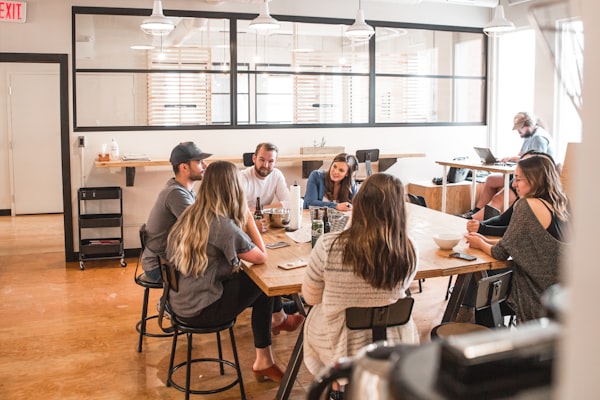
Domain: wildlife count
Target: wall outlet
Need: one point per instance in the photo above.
(81, 141)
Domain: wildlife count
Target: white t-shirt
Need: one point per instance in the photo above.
(267, 189)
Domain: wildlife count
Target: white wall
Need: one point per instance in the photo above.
(51, 20)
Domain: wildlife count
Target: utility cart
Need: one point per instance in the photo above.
(100, 217)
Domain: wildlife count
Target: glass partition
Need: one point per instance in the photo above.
(304, 74)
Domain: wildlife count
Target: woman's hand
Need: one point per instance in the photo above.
(345, 206)
(475, 240)
(472, 225)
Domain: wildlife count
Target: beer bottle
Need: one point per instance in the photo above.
(316, 229)
(259, 216)
(326, 223)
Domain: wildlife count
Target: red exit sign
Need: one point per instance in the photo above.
(12, 11)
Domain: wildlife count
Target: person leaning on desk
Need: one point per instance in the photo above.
(336, 188)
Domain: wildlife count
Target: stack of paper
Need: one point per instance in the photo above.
(136, 157)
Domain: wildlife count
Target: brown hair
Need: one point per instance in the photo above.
(376, 245)
(346, 183)
(543, 177)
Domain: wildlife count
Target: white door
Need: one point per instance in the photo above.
(34, 134)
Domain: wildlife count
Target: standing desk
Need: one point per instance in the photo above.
(505, 170)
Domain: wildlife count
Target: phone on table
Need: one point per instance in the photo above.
(463, 256)
(293, 264)
(276, 245)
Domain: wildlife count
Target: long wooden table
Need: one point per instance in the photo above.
(309, 162)
(422, 223)
(506, 170)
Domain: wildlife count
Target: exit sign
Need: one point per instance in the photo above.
(12, 11)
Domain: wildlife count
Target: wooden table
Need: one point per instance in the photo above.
(309, 162)
(506, 170)
(423, 223)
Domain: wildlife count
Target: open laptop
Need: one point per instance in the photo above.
(486, 156)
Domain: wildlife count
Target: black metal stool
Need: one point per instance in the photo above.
(147, 285)
(179, 327)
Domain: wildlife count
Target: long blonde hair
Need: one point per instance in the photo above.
(376, 244)
(220, 194)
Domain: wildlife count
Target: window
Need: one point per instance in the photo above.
(213, 71)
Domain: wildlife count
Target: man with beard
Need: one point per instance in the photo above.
(188, 164)
(534, 138)
(264, 180)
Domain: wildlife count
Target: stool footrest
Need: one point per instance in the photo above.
(171, 382)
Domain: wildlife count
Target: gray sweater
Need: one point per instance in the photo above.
(537, 257)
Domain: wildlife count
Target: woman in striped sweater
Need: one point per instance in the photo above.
(370, 264)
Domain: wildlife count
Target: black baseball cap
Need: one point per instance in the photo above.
(187, 151)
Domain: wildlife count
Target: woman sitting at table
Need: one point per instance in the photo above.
(496, 225)
(334, 189)
(206, 245)
(535, 237)
(370, 264)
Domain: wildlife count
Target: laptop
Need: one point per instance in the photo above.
(486, 156)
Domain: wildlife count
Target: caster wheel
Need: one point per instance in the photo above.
(123, 263)
(81, 265)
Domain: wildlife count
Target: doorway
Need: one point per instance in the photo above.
(62, 61)
(34, 153)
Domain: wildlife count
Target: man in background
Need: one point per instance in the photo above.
(264, 180)
(188, 165)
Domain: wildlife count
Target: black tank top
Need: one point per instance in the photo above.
(557, 227)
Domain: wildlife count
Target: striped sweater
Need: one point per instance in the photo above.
(331, 287)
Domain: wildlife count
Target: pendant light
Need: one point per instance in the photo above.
(360, 30)
(157, 24)
(264, 21)
(499, 24)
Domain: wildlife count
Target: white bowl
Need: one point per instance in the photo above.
(446, 241)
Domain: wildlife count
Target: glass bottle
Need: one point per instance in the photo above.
(259, 217)
(326, 223)
(316, 229)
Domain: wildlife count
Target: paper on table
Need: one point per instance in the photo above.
(301, 235)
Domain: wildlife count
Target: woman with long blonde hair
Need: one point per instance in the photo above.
(206, 246)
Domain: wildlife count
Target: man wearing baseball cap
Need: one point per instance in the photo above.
(188, 165)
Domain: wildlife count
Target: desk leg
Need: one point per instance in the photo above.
(506, 189)
(291, 372)
(444, 187)
(129, 176)
(456, 299)
(473, 187)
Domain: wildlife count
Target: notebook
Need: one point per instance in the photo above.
(486, 156)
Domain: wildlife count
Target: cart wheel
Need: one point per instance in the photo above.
(81, 265)
(123, 263)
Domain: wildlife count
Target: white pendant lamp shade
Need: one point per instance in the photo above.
(157, 24)
(264, 21)
(498, 24)
(360, 30)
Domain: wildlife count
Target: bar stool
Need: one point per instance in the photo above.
(147, 285)
(178, 327)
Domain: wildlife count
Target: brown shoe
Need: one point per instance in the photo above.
(290, 324)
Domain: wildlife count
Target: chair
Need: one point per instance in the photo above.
(247, 158)
(378, 319)
(491, 293)
(147, 285)
(368, 157)
(177, 327)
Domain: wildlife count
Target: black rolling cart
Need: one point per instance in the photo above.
(100, 217)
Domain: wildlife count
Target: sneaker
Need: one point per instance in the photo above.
(469, 214)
